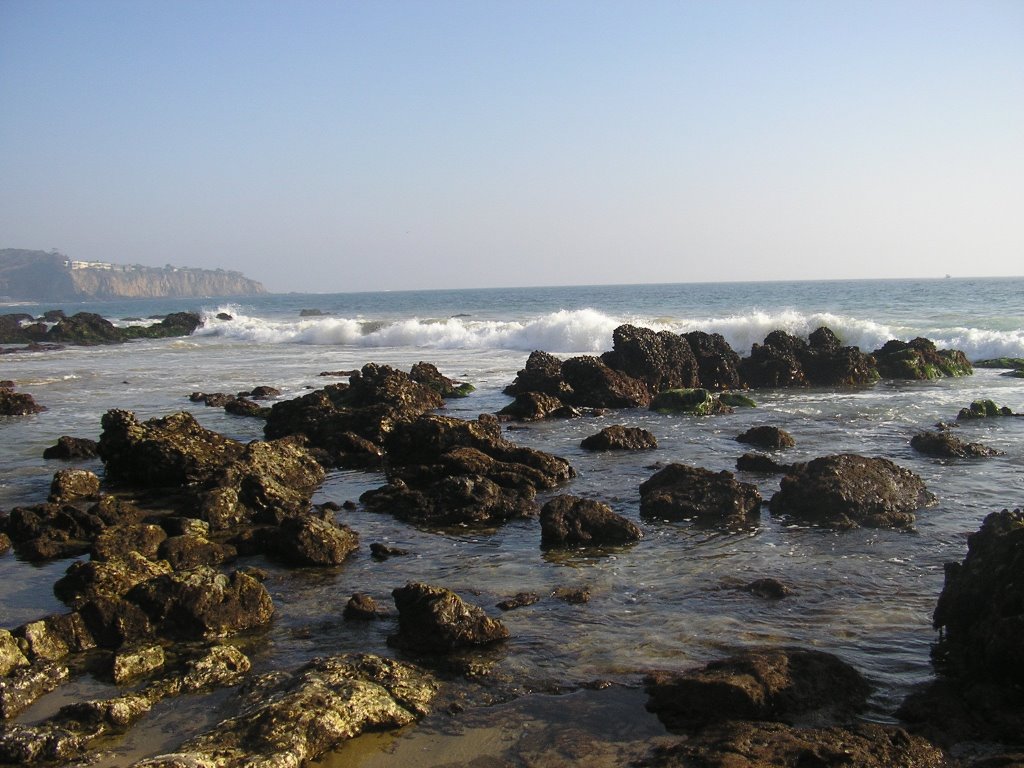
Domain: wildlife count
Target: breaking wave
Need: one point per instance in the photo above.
(589, 331)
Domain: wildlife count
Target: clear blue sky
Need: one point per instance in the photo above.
(333, 146)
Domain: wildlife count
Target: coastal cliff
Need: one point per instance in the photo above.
(49, 275)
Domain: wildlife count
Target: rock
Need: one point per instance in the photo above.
(595, 385)
(776, 745)
(382, 551)
(243, 406)
(17, 403)
(21, 687)
(981, 608)
(519, 600)
(291, 719)
(51, 530)
(174, 324)
(85, 328)
(718, 365)
(70, 448)
(86, 580)
(456, 500)
(826, 363)
(776, 363)
(542, 373)
(531, 406)
(436, 620)
(919, 360)
(570, 521)
(212, 399)
(428, 375)
(114, 541)
(699, 402)
(736, 400)
(11, 656)
(661, 360)
(224, 316)
(308, 540)
(762, 684)
(202, 603)
(949, 711)
(132, 663)
(849, 491)
(944, 444)
(361, 607)
(620, 438)
(758, 462)
(74, 485)
(680, 492)
(768, 589)
(981, 409)
(191, 550)
(767, 437)
(572, 595)
(262, 392)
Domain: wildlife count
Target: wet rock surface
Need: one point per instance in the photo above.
(768, 437)
(944, 444)
(848, 491)
(620, 438)
(433, 619)
(681, 492)
(571, 521)
(17, 403)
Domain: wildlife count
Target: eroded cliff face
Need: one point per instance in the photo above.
(43, 276)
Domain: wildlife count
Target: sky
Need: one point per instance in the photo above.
(382, 145)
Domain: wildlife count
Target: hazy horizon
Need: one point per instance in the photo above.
(325, 147)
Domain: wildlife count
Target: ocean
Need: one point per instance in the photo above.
(673, 600)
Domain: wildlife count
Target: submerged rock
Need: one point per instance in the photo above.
(436, 620)
(681, 492)
(849, 491)
(700, 402)
(70, 448)
(767, 437)
(981, 409)
(571, 521)
(766, 684)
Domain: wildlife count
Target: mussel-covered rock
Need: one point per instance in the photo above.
(681, 492)
(850, 491)
(662, 360)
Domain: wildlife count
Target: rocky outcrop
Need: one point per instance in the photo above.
(70, 448)
(681, 492)
(571, 521)
(661, 360)
(919, 359)
(89, 329)
(768, 437)
(17, 403)
(292, 718)
(850, 491)
(944, 444)
(436, 620)
(983, 409)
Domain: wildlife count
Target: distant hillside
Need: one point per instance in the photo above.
(52, 276)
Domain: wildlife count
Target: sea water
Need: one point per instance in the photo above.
(672, 601)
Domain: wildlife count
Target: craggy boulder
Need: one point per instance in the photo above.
(436, 620)
(661, 360)
(699, 402)
(681, 492)
(542, 373)
(981, 608)
(69, 448)
(944, 444)
(718, 364)
(17, 403)
(293, 718)
(768, 437)
(571, 521)
(620, 438)
(850, 491)
(781, 684)
(310, 540)
(776, 363)
(595, 385)
(74, 485)
(918, 359)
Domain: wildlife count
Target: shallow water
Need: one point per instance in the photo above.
(671, 601)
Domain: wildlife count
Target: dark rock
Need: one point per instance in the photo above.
(519, 600)
(700, 402)
(570, 521)
(842, 367)
(762, 463)
(768, 589)
(718, 364)
(310, 313)
(428, 375)
(944, 444)
(949, 711)
(51, 530)
(767, 437)
(531, 406)
(572, 595)
(542, 373)
(919, 360)
(86, 580)
(679, 492)
(981, 608)
(454, 500)
(736, 400)
(849, 491)
(308, 540)
(763, 684)
(224, 316)
(383, 552)
(114, 541)
(617, 437)
(190, 551)
(436, 620)
(262, 392)
(776, 745)
(54, 637)
(361, 607)
(595, 385)
(174, 324)
(86, 328)
(212, 399)
(24, 685)
(661, 360)
(242, 406)
(202, 603)
(74, 485)
(69, 448)
(293, 718)
(776, 363)
(17, 403)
